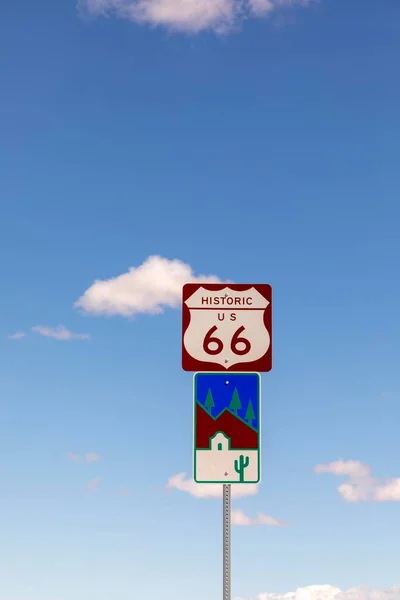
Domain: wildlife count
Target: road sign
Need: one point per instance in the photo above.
(226, 327)
(227, 428)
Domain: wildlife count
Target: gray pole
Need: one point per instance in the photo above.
(226, 501)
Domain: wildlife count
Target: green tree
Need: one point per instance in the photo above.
(209, 403)
(235, 404)
(250, 415)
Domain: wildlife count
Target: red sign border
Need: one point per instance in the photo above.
(263, 364)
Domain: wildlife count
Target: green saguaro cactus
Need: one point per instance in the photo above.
(241, 465)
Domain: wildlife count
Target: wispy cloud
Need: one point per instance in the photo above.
(73, 457)
(238, 517)
(60, 333)
(89, 457)
(200, 490)
(149, 288)
(18, 335)
(124, 492)
(93, 485)
(92, 457)
(361, 486)
(191, 16)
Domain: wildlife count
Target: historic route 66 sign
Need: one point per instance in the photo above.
(226, 327)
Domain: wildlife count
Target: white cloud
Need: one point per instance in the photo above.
(60, 333)
(361, 485)
(329, 592)
(17, 336)
(388, 491)
(148, 288)
(93, 485)
(190, 16)
(353, 468)
(238, 517)
(211, 490)
(89, 457)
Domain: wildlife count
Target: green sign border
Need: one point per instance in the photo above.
(221, 374)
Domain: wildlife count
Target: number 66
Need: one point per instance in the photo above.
(236, 339)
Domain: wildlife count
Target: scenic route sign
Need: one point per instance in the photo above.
(226, 428)
(226, 327)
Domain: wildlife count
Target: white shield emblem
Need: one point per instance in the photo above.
(227, 327)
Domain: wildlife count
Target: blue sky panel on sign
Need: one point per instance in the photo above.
(223, 385)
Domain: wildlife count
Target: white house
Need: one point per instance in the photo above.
(220, 441)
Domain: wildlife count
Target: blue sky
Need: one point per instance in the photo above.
(260, 146)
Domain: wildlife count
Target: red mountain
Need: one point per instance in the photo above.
(242, 436)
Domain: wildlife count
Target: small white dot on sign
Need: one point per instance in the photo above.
(226, 382)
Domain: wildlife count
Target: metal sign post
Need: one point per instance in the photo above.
(227, 339)
(226, 565)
